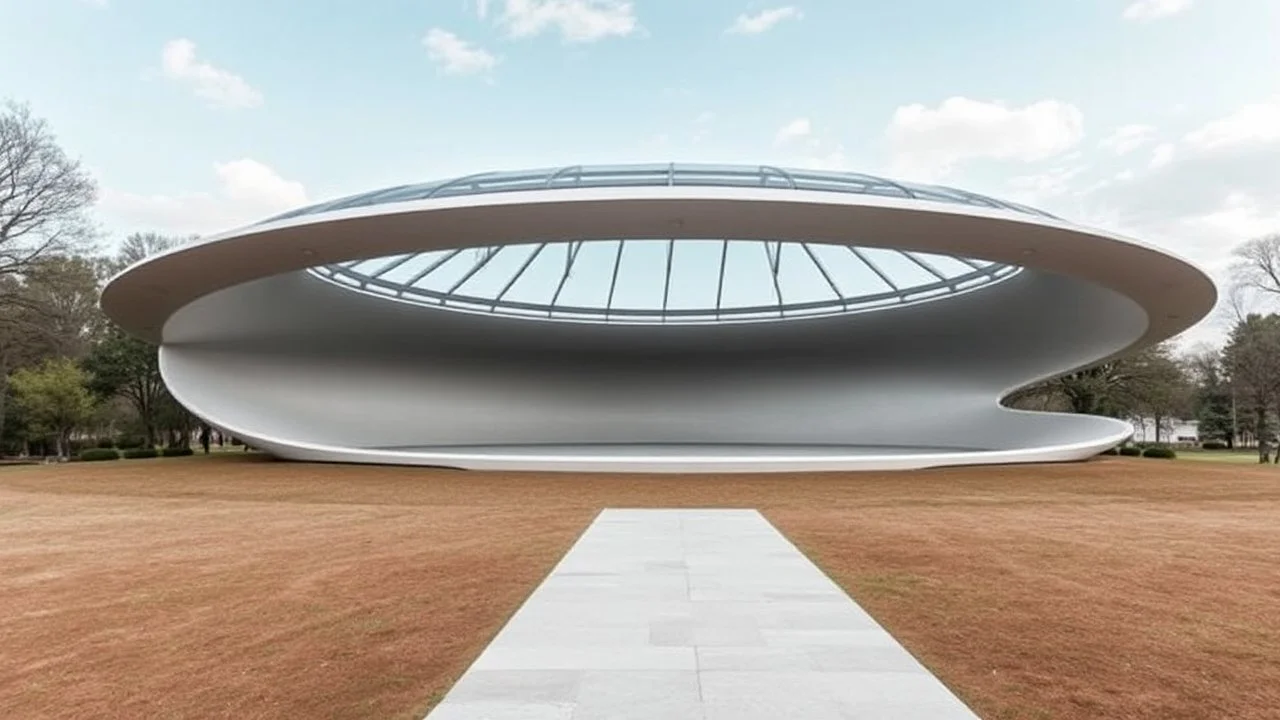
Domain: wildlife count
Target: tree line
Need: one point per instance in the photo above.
(69, 377)
(1232, 390)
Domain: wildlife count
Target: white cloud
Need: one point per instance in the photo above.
(1254, 123)
(247, 191)
(823, 158)
(1200, 196)
(765, 19)
(1054, 181)
(580, 21)
(930, 142)
(793, 130)
(1162, 155)
(482, 8)
(1127, 138)
(456, 56)
(219, 87)
(1144, 10)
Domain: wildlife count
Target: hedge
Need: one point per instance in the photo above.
(1110, 451)
(130, 442)
(1131, 451)
(140, 453)
(177, 452)
(1160, 452)
(106, 443)
(1213, 445)
(96, 454)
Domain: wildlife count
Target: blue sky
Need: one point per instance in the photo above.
(1160, 118)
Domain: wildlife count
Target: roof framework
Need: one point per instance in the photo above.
(667, 280)
(650, 281)
(658, 175)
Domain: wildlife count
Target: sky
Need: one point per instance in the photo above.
(1159, 119)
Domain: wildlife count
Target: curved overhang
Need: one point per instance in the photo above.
(253, 341)
(1173, 293)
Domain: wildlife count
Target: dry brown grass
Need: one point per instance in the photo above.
(237, 587)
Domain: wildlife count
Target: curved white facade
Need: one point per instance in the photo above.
(280, 333)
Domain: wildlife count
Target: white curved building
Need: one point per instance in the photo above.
(653, 318)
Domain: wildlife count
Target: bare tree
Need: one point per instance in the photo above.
(140, 246)
(44, 196)
(1257, 264)
(43, 193)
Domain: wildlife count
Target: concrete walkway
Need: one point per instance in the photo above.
(693, 615)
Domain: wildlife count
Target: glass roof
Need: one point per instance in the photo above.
(664, 281)
(657, 175)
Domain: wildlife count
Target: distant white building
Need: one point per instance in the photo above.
(1172, 431)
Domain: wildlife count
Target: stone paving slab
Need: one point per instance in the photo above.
(698, 615)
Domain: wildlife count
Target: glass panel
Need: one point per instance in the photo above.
(748, 282)
(695, 270)
(642, 275)
(490, 279)
(904, 273)
(406, 272)
(850, 274)
(443, 277)
(539, 281)
(799, 279)
(588, 283)
(945, 264)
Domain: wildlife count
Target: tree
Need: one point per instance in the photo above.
(1212, 401)
(44, 195)
(54, 399)
(1159, 387)
(1252, 361)
(122, 365)
(1119, 388)
(60, 297)
(140, 246)
(1257, 264)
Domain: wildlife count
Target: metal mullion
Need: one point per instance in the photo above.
(724, 256)
(825, 275)
(532, 256)
(429, 269)
(874, 268)
(666, 285)
(613, 284)
(570, 256)
(393, 265)
(773, 268)
(931, 269)
(476, 268)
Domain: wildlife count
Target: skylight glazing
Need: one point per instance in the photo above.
(658, 175)
(664, 281)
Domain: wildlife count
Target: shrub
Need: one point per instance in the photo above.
(130, 442)
(106, 443)
(1160, 452)
(1213, 445)
(1131, 451)
(139, 453)
(177, 452)
(97, 454)
(1110, 451)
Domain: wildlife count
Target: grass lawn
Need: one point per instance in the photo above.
(238, 587)
(1243, 455)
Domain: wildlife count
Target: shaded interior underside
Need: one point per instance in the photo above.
(309, 370)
